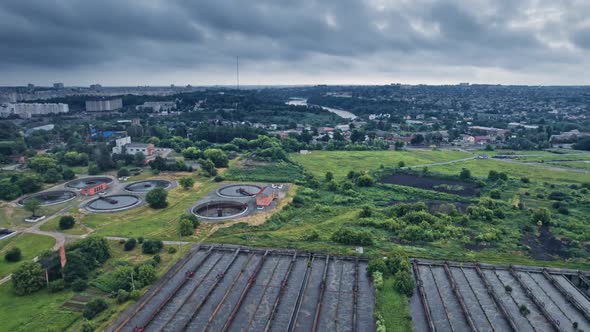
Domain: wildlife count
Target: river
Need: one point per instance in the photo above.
(341, 113)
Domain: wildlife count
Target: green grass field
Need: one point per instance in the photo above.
(394, 308)
(482, 167)
(31, 245)
(341, 162)
(53, 226)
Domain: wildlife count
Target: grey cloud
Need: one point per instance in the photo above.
(335, 36)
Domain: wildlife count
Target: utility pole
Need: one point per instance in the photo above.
(237, 73)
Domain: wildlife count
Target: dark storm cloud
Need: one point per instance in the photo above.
(336, 37)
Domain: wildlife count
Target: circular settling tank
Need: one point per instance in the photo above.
(220, 210)
(87, 182)
(50, 197)
(145, 186)
(113, 203)
(238, 190)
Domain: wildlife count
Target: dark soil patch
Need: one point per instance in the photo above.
(81, 298)
(454, 187)
(73, 306)
(545, 246)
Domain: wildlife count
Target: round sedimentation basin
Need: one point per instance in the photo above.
(50, 197)
(238, 190)
(220, 210)
(88, 182)
(147, 185)
(113, 203)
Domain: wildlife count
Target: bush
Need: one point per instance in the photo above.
(135, 295)
(56, 286)
(352, 237)
(541, 215)
(465, 174)
(186, 182)
(156, 259)
(122, 296)
(94, 308)
(377, 279)
(130, 244)
(403, 283)
(13, 255)
(218, 178)
(79, 285)
(365, 180)
(28, 278)
(376, 265)
(122, 172)
(311, 236)
(495, 194)
(66, 222)
(146, 274)
(525, 180)
(366, 212)
(172, 250)
(151, 246)
(156, 198)
(88, 327)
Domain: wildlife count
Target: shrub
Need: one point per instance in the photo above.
(66, 222)
(525, 180)
(377, 280)
(136, 294)
(495, 194)
(13, 255)
(366, 212)
(376, 265)
(465, 174)
(79, 285)
(130, 244)
(88, 327)
(140, 240)
(94, 308)
(365, 180)
(558, 196)
(122, 296)
(171, 250)
(352, 237)
(541, 215)
(122, 172)
(311, 236)
(186, 182)
(151, 246)
(56, 286)
(403, 283)
(146, 274)
(298, 201)
(524, 310)
(218, 178)
(156, 259)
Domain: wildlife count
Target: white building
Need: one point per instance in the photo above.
(104, 105)
(120, 143)
(27, 110)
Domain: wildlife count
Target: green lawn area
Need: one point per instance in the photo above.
(585, 165)
(394, 308)
(341, 162)
(31, 245)
(11, 216)
(482, 167)
(264, 172)
(147, 222)
(53, 226)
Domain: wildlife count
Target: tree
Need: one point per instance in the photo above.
(208, 167)
(329, 176)
(32, 205)
(146, 274)
(122, 172)
(156, 198)
(151, 246)
(404, 283)
(138, 159)
(93, 169)
(186, 182)
(582, 144)
(28, 278)
(66, 222)
(68, 174)
(398, 145)
(217, 156)
(541, 215)
(185, 227)
(130, 244)
(192, 153)
(13, 255)
(465, 174)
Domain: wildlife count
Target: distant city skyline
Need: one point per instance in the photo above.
(335, 42)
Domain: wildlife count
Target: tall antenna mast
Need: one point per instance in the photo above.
(238, 73)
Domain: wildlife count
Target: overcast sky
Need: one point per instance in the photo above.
(159, 42)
